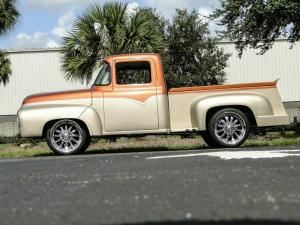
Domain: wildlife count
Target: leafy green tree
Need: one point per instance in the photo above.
(193, 57)
(107, 30)
(257, 23)
(5, 70)
(8, 17)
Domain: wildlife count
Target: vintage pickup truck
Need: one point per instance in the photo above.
(130, 97)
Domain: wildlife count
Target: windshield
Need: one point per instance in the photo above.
(103, 77)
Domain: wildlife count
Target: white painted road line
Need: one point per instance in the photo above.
(227, 155)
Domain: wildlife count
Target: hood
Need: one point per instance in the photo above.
(56, 96)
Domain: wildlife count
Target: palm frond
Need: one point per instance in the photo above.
(116, 32)
(8, 15)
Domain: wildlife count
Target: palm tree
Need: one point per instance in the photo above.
(8, 17)
(107, 30)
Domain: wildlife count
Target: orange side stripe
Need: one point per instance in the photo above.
(227, 87)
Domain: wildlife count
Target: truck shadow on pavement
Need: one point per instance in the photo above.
(220, 222)
(140, 149)
(126, 150)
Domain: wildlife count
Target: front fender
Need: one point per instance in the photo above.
(32, 119)
(259, 105)
(93, 121)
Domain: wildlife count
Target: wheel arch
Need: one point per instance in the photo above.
(245, 109)
(52, 122)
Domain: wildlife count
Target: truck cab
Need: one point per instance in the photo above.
(130, 94)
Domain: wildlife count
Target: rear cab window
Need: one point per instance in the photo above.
(133, 73)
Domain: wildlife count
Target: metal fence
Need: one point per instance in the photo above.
(8, 126)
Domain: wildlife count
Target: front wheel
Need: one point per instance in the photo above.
(228, 128)
(67, 137)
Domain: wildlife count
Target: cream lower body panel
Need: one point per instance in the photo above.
(33, 117)
(122, 114)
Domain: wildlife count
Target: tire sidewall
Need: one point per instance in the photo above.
(209, 140)
(211, 127)
(80, 149)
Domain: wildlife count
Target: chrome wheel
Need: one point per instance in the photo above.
(230, 128)
(66, 136)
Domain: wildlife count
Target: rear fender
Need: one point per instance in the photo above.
(259, 105)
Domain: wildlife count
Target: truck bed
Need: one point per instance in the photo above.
(189, 104)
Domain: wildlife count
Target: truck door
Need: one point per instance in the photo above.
(132, 104)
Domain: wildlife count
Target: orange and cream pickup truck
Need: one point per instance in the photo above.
(129, 97)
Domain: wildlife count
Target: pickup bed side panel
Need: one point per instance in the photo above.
(188, 109)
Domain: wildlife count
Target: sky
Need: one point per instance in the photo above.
(43, 23)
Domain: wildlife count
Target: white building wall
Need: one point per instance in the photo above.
(33, 72)
(279, 62)
(39, 71)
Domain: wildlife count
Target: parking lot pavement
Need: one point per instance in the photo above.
(241, 186)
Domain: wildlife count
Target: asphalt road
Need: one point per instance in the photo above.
(154, 188)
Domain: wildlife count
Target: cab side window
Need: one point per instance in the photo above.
(133, 73)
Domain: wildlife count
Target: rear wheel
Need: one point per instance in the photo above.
(227, 128)
(67, 137)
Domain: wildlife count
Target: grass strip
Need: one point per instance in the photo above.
(134, 145)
